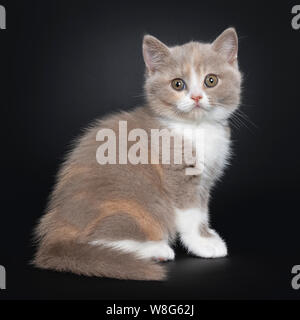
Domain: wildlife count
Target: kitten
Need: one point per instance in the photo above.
(119, 220)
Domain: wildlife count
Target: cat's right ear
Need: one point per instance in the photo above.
(155, 53)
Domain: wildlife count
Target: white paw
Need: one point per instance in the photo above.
(211, 248)
(163, 253)
(207, 247)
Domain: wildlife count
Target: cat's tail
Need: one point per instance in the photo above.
(100, 261)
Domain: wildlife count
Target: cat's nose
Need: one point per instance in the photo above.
(196, 98)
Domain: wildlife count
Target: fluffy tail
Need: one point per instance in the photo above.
(89, 260)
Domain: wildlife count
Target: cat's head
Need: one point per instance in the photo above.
(195, 80)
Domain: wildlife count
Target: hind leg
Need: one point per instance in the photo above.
(154, 250)
(122, 232)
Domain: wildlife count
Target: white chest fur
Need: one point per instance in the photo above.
(212, 144)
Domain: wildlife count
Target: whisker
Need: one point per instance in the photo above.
(240, 117)
(234, 124)
(237, 117)
(246, 118)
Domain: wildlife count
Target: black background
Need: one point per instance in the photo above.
(65, 63)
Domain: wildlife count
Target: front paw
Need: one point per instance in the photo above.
(208, 247)
(212, 248)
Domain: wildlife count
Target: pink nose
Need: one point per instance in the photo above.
(196, 98)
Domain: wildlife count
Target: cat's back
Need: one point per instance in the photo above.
(83, 182)
(116, 125)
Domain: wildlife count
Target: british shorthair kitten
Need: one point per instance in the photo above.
(119, 220)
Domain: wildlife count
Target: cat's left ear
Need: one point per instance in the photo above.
(227, 45)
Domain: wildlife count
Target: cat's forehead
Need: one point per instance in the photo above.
(197, 56)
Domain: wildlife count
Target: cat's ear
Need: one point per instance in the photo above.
(155, 53)
(227, 45)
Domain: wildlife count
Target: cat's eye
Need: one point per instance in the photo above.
(211, 80)
(178, 84)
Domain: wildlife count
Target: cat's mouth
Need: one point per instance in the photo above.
(200, 106)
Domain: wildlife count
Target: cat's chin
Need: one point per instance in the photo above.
(197, 114)
(190, 117)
